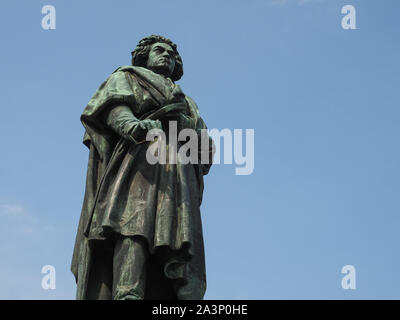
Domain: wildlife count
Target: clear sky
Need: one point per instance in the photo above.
(324, 104)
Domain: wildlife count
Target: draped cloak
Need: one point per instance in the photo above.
(128, 196)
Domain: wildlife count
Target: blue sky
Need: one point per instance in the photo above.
(324, 104)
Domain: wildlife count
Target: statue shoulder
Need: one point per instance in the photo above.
(131, 69)
(124, 76)
(194, 109)
(123, 68)
(191, 102)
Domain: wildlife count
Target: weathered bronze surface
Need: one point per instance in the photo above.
(140, 232)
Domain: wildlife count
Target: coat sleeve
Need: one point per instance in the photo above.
(207, 146)
(114, 91)
(124, 123)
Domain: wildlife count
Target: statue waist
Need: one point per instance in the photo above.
(169, 111)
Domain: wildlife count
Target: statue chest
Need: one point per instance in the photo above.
(154, 94)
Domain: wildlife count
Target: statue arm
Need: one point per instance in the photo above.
(123, 122)
(208, 149)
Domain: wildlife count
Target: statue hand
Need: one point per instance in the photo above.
(185, 122)
(141, 128)
(148, 124)
(206, 153)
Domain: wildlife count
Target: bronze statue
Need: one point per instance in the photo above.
(140, 232)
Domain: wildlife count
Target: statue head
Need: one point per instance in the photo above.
(160, 55)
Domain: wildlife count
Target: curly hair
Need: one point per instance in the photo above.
(141, 54)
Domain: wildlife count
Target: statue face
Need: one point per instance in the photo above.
(161, 59)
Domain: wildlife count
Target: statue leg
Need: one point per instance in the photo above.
(129, 268)
(158, 286)
(101, 272)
